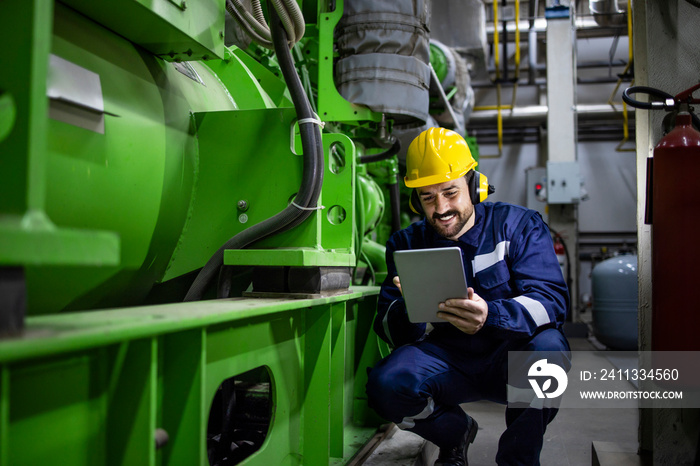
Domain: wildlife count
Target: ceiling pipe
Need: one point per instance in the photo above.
(586, 28)
(532, 43)
(536, 115)
(608, 12)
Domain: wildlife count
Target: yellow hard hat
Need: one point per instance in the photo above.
(435, 156)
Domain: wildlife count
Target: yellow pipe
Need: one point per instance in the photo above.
(611, 101)
(493, 107)
(517, 41)
(496, 57)
(625, 131)
(497, 65)
(513, 96)
(499, 119)
(625, 115)
(629, 30)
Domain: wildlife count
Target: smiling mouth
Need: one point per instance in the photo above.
(446, 217)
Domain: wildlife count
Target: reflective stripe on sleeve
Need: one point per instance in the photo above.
(484, 261)
(535, 309)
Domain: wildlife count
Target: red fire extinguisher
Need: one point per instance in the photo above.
(560, 252)
(673, 209)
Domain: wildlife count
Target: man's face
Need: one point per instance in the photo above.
(448, 207)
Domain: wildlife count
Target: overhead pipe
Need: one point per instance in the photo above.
(537, 115)
(608, 13)
(586, 28)
(532, 42)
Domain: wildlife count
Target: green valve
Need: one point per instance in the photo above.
(439, 62)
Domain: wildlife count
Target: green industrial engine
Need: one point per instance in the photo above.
(192, 211)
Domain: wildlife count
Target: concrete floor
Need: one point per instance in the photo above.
(568, 440)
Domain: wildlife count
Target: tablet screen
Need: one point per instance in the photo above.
(429, 277)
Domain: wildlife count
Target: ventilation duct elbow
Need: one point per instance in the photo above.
(609, 12)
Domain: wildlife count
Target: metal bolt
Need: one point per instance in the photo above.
(243, 205)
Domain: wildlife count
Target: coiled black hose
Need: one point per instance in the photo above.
(312, 177)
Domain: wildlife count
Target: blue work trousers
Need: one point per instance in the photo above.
(420, 387)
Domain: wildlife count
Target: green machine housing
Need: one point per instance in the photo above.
(133, 144)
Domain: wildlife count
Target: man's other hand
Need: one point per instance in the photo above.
(468, 315)
(397, 282)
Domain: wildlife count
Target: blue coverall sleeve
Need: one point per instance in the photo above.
(391, 322)
(539, 296)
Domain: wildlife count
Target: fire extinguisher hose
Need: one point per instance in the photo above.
(664, 100)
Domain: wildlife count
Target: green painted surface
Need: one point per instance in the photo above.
(438, 61)
(26, 233)
(8, 114)
(117, 200)
(173, 29)
(117, 375)
(96, 217)
(237, 77)
(331, 105)
(266, 184)
(288, 257)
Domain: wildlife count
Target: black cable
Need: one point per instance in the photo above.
(395, 205)
(387, 154)
(312, 177)
(664, 104)
(667, 102)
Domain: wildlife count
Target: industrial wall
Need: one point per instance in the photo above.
(667, 57)
(609, 176)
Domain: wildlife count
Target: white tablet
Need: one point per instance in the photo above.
(429, 277)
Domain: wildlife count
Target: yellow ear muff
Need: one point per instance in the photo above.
(414, 203)
(479, 187)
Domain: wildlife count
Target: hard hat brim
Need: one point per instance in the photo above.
(435, 179)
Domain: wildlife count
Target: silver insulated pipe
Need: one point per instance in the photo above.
(609, 12)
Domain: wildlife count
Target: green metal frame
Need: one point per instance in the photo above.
(109, 378)
(331, 105)
(267, 185)
(93, 388)
(175, 30)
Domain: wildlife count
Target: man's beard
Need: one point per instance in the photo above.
(461, 219)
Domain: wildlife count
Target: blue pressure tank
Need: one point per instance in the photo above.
(615, 302)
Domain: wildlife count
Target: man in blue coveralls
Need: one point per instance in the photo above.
(517, 301)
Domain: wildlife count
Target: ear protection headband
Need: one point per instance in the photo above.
(477, 184)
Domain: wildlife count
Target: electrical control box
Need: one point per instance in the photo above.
(563, 183)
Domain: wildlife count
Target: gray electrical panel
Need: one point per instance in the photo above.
(563, 183)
